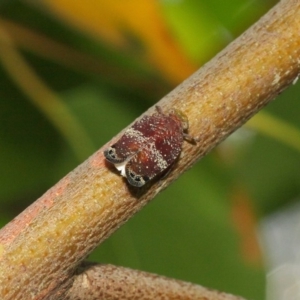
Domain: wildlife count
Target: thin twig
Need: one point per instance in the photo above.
(276, 128)
(42, 247)
(113, 283)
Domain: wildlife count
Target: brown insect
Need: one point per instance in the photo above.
(150, 147)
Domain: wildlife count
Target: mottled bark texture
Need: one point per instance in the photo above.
(115, 283)
(41, 248)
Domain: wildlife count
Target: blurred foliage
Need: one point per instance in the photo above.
(74, 73)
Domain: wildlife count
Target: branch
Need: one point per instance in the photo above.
(112, 283)
(41, 248)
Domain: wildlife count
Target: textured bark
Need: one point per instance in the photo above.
(114, 283)
(41, 248)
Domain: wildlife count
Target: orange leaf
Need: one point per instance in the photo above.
(109, 20)
(245, 222)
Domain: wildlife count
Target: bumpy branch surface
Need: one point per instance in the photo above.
(114, 283)
(41, 248)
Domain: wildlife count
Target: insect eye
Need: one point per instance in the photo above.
(136, 180)
(135, 177)
(132, 175)
(110, 153)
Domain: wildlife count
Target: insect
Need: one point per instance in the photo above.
(150, 147)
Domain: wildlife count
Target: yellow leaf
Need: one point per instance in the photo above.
(110, 20)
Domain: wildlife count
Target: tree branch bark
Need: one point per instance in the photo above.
(113, 283)
(41, 248)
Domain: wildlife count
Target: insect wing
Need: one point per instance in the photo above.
(154, 158)
(127, 146)
(141, 168)
(148, 148)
